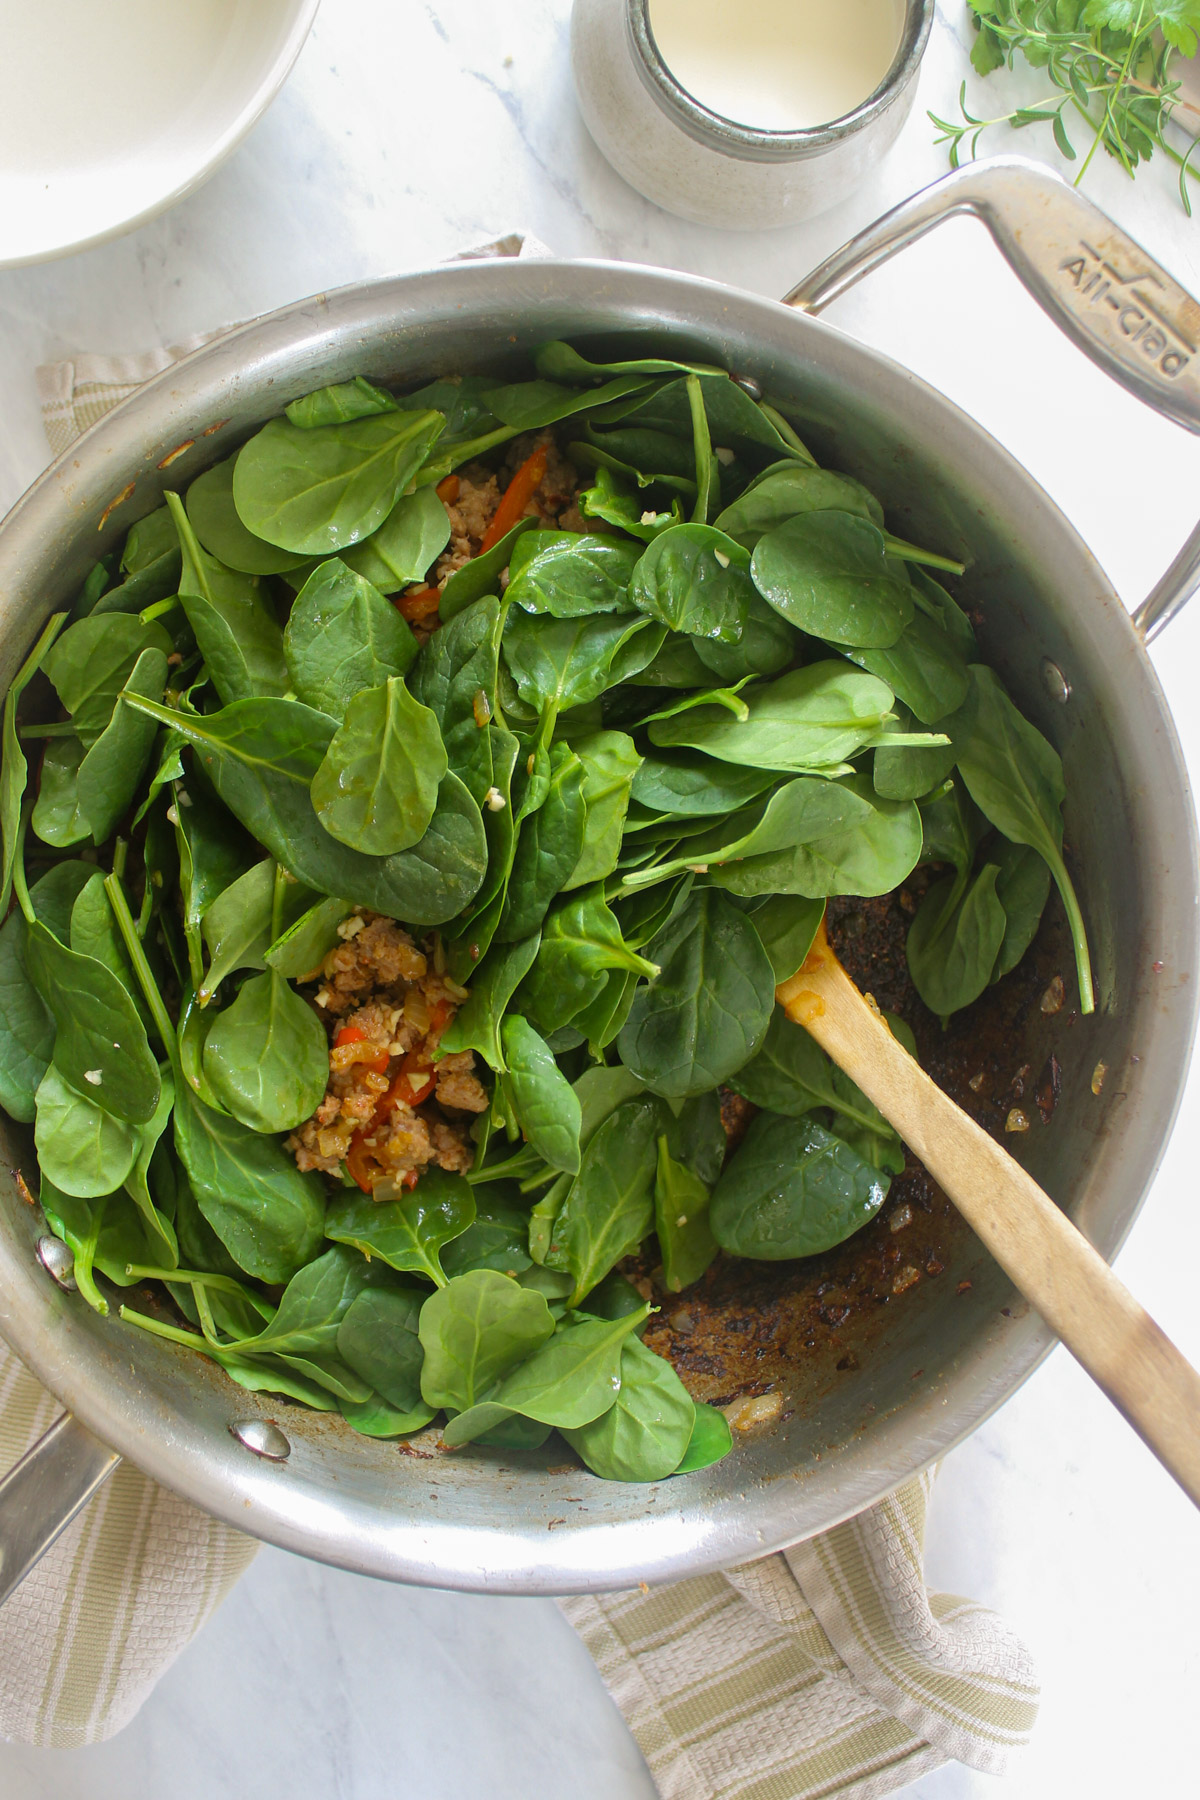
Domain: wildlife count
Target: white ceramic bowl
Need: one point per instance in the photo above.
(111, 110)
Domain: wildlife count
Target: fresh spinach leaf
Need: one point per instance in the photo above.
(236, 631)
(872, 856)
(572, 1379)
(609, 1208)
(313, 1305)
(100, 1043)
(104, 1233)
(317, 490)
(954, 940)
(645, 1434)
(789, 489)
(378, 1338)
(711, 1439)
(481, 575)
(688, 784)
(406, 1230)
(560, 663)
(92, 661)
(159, 1231)
(801, 811)
(262, 756)
(792, 1075)
(610, 763)
(93, 932)
(792, 1189)
(810, 719)
(1022, 888)
(695, 579)
(473, 1330)
(81, 1148)
(26, 1025)
(498, 1239)
(375, 1418)
(1015, 779)
(924, 668)
(267, 1214)
(708, 1009)
(681, 1221)
(556, 361)
(616, 505)
(786, 925)
(569, 574)
(110, 772)
(236, 926)
(342, 636)
(767, 646)
(828, 574)
(581, 943)
(548, 848)
(413, 535)
(476, 1024)
(14, 772)
(546, 1106)
(333, 405)
(58, 817)
(531, 405)
(266, 1056)
(298, 952)
(214, 519)
(376, 787)
(911, 771)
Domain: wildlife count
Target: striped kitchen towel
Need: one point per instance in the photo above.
(825, 1671)
(110, 1606)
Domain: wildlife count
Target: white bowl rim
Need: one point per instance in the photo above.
(273, 78)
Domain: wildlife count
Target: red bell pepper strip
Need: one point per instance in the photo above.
(517, 495)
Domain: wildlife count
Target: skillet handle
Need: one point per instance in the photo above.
(43, 1492)
(1098, 285)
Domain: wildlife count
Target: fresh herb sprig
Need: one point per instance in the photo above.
(1112, 62)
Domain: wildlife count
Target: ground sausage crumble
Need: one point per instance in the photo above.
(390, 1109)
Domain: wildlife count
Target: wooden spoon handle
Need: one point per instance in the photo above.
(1051, 1262)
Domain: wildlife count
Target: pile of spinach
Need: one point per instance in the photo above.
(618, 783)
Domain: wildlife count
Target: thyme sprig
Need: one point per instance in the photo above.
(1111, 62)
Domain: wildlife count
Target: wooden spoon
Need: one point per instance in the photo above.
(1051, 1262)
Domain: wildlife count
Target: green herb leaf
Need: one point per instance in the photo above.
(681, 1221)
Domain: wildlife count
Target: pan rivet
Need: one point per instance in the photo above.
(263, 1437)
(58, 1260)
(1057, 685)
(749, 386)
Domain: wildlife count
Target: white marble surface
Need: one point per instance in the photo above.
(406, 132)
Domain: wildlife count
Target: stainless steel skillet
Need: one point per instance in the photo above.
(1055, 629)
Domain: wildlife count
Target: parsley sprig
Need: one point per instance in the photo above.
(1111, 63)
